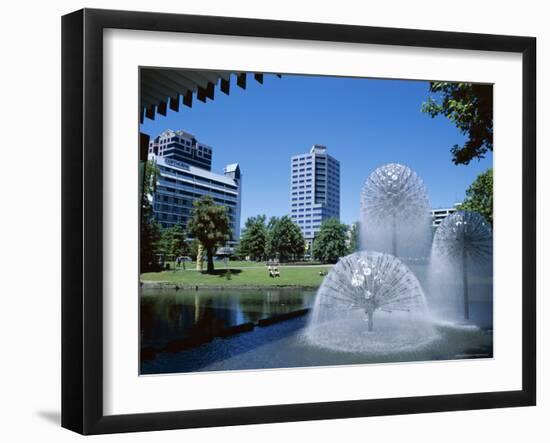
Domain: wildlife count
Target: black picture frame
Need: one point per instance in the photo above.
(82, 215)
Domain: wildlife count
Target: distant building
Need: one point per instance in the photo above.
(185, 176)
(182, 146)
(439, 214)
(314, 190)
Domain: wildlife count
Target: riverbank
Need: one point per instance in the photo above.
(186, 286)
(246, 277)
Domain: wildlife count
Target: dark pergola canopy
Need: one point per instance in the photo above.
(162, 88)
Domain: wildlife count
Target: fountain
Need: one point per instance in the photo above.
(395, 212)
(462, 248)
(369, 282)
(373, 288)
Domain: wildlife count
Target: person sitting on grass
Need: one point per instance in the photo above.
(273, 271)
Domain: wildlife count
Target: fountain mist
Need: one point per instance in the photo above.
(395, 212)
(461, 255)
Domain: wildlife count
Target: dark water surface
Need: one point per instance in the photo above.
(168, 315)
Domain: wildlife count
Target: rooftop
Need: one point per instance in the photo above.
(318, 149)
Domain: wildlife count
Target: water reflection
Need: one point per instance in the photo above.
(168, 315)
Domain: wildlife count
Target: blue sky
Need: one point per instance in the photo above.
(363, 122)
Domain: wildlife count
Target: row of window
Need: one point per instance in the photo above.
(161, 216)
(302, 158)
(309, 227)
(309, 174)
(195, 195)
(194, 152)
(318, 178)
(191, 159)
(182, 141)
(302, 204)
(195, 186)
(159, 197)
(196, 178)
(304, 169)
(186, 212)
(308, 217)
(160, 201)
(316, 211)
(158, 207)
(322, 170)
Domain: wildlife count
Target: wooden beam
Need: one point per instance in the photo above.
(225, 86)
(161, 109)
(188, 99)
(241, 80)
(175, 103)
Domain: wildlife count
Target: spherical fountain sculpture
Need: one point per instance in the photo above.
(462, 243)
(370, 302)
(395, 212)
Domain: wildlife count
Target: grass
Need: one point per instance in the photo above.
(253, 276)
(220, 264)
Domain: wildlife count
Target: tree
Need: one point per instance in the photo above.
(200, 256)
(470, 107)
(479, 196)
(254, 238)
(149, 230)
(210, 225)
(330, 242)
(194, 248)
(271, 243)
(148, 246)
(354, 241)
(285, 239)
(173, 241)
(272, 222)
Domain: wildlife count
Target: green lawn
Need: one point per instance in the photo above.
(220, 264)
(306, 276)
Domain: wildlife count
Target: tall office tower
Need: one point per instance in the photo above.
(185, 176)
(314, 189)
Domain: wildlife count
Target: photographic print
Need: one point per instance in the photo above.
(301, 220)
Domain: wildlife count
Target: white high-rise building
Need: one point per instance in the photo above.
(314, 190)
